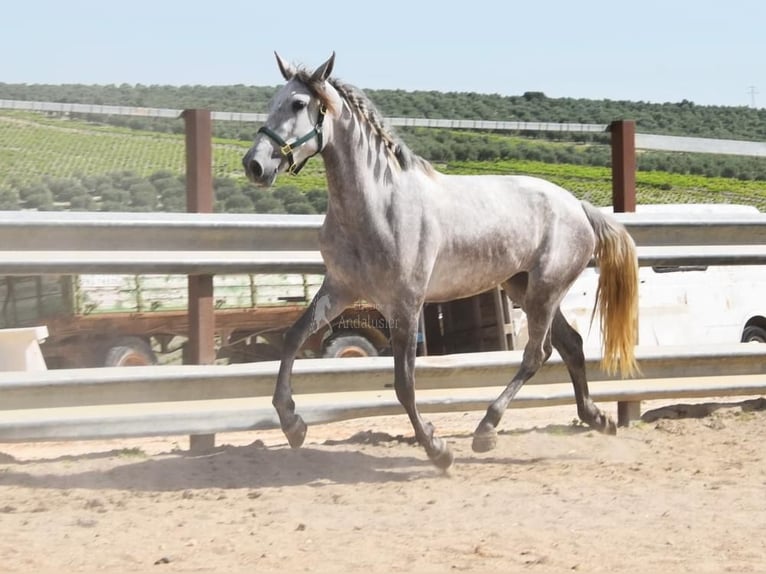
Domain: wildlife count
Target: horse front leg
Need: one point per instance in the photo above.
(404, 344)
(327, 304)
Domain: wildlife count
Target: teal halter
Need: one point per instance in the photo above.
(287, 148)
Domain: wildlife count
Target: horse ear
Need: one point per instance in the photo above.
(323, 72)
(286, 69)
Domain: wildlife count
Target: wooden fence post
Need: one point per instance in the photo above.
(199, 199)
(623, 140)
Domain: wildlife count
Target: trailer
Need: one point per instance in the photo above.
(128, 320)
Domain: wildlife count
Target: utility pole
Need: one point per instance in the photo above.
(753, 92)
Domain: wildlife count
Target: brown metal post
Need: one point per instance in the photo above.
(199, 161)
(628, 411)
(623, 137)
(199, 199)
(624, 201)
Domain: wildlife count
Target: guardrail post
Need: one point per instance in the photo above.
(628, 411)
(623, 140)
(199, 199)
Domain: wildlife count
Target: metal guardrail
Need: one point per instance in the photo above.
(643, 141)
(70, 108)
(69, 242)
(700, 145)
(96, 403)
(70, 231)
(88, 387)
(39, 243)
(99, 231)
(149, 401)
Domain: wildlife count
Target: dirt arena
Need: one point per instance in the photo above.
(670, 495)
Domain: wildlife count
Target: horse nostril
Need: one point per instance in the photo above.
(255, 168)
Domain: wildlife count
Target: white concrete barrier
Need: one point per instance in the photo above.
(20, 349)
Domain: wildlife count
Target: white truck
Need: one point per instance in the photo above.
(683, 305)
(679, 304)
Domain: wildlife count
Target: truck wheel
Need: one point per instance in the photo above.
(349, 345)
(130, 352)
(754, 334)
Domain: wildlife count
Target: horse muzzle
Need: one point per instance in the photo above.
(260, 172)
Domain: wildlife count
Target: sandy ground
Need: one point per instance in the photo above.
(670, 495)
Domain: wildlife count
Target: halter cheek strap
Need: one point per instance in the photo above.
(286, 149)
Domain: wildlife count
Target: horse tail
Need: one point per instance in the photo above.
(617, 293)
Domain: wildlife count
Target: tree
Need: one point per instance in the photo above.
(318, 199)
(143, 196)
(224, 187)
(83, 202)
(289, 194)
(238, 203)
(162, 174)
(65, 189)
(269, 204)
(125, 179)
(114, 199)
(172, 194)
(9, 198)
(302, 207)
(37, 196)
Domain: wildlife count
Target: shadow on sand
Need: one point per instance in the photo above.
(701, 410)
(253, 466)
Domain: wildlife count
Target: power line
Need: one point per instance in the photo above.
(753, 92)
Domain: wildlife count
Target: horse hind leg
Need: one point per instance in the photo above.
(569, 344)
(539, 311)
(516, 288)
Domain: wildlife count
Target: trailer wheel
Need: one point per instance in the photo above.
(346, 345)
(129, 352)
(754, 334)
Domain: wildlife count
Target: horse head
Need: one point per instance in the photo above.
(295, 129)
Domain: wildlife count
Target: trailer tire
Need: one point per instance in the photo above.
(129, 352)
(345, 345)
(754, 334)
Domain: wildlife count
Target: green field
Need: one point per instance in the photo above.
(595, 183)
(39, 154)
(32, 145)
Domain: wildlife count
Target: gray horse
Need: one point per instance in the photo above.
(398, 234)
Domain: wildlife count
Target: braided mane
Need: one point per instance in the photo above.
(366, 112)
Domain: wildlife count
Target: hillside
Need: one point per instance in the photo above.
(682, 118)
(129, 163)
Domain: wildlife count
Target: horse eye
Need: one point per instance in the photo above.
(298, 105)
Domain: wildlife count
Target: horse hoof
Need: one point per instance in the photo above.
(484, 441)
(442, 458)
(296, 432)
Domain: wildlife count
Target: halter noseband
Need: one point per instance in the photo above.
(286, 149)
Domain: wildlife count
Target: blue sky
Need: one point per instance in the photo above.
(704, 51)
